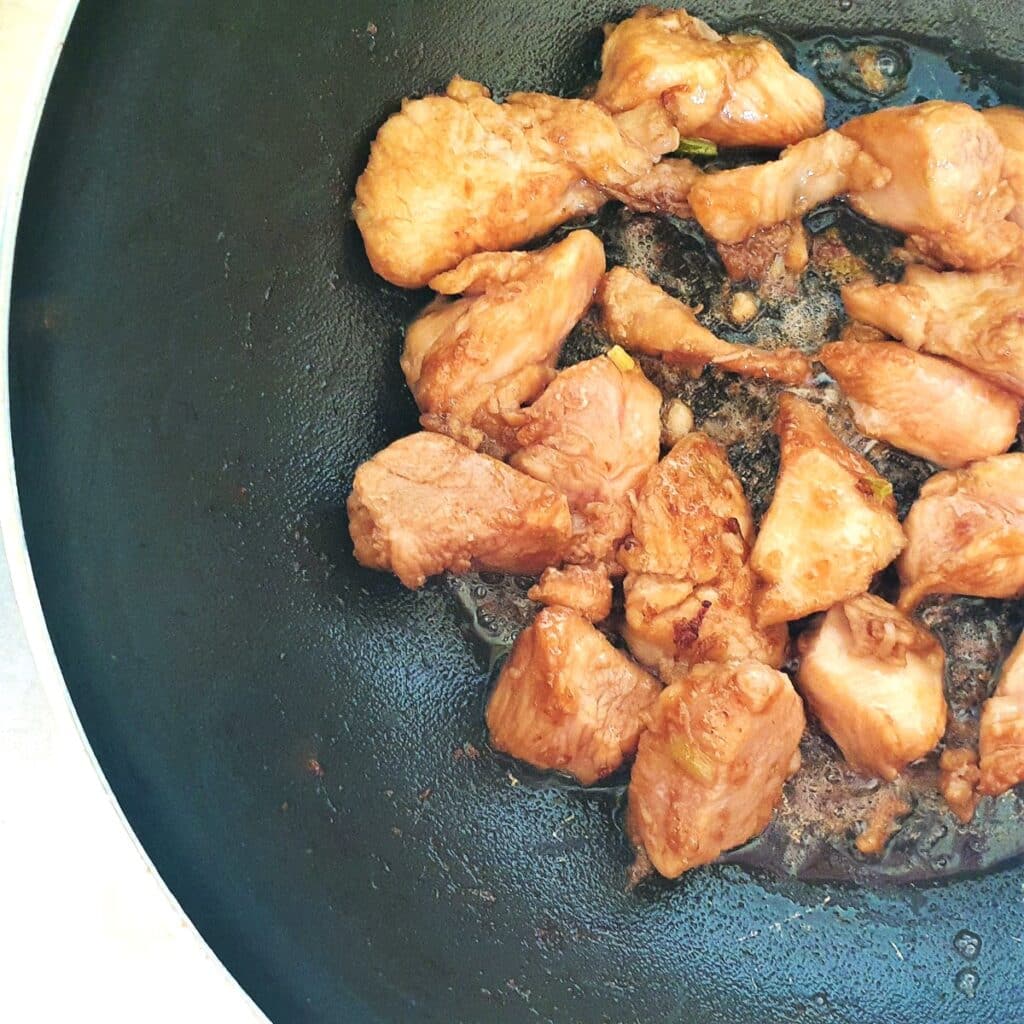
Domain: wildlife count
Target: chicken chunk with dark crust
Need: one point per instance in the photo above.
(719, 745)
(426, 504)
(567, 700)
(874, 679)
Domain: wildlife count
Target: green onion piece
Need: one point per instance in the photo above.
(696, 147)
(880, 487)
(692, 760)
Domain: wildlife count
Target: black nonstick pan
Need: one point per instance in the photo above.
(200, 357)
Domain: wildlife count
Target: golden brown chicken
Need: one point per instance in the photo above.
(665, 188)
(734, 90)
(474, 361)
(594, 434)
(874, 679)
(926, 406)
(586, 590)
(831, 524)
(958, 781)
(974, 319)
(946, 191)
(1001, 740)
(775, 257)
(710, 768)
(731, 205)
(965, 533)
(689, 593)
(641, 317)
(426, 503)
(567, 700)
(1008, 123)
(453, 175)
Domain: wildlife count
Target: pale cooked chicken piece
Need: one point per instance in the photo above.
(946, 191)
(586, 590)
(734, 90)
(831, 524)
(567, 700)
(1001, 740)
(453, 175)
(731, 205)
(975, 319)
(594, 434)
(1008, 123)
(474, 361)
(965, 533)
(426, 503)
(641, 317)
(874, 679)
(926, 406)
(665, 188)
(710, 767)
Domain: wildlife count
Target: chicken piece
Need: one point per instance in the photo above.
(426, 503)
(665, 188)
(474, 361)
(734, 90)
(710, 768)
(731, 205)
(831, 524)
(946, 191)
(594, 434)
(965, 533)
(774, 255)
(586, 590)
(958, 781)
(926, 406)
(874, 679)
(974, 319)
(1008, 124)
(641, 317)
(567, 700)
(1001, 739)
(453, 175)
(883, 824)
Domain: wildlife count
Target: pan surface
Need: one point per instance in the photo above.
(200, 357)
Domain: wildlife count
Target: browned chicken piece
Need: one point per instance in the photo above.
(965, 533)
(1001, 740)
(1008, 123)
(958, 781)
(831, 524)
(734, 90)
(974, 319)
(883, 824)
(926, 406)
(946, 191)
(689, 593)
(567, 700)
(426, 503)
(731, 205)
(665, 188)
(771, 254)
(710, 768)
(586, 590)
(474, 361)
(594, 434)
(874, 679)
(641, 317)
(453, 175)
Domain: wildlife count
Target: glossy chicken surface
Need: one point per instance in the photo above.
(473, 361)
(1001, 746)
(831, 524)
(586, 590)
(594, 434)
(641, 317)
(567, 700)
(1008, 124)
(946, 191)
(453, 175)
(976, 319)
(710, 767)
(426, 504)
(926, 406)
(734, 90)
(874, 679)
(731, 205)
(965, 533)
(665, 188)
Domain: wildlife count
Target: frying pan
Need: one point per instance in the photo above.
(200, 357)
